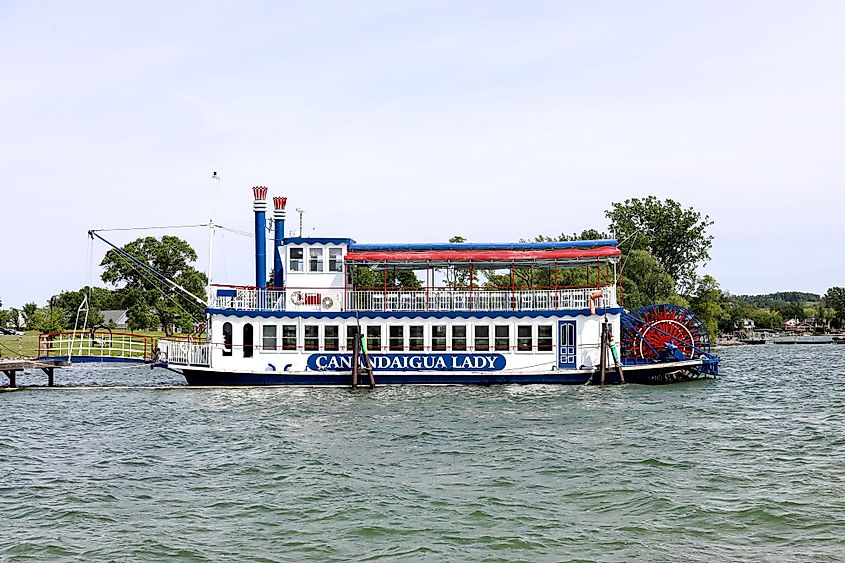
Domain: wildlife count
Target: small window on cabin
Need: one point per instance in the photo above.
(351, 333)
(482, 338)
(268, 337)
(524, 338)
(227, 339)
(544, 338)
(247, 340)
(288, 337)
(373, 338)
(438, 338)
(396, 338)
(312, 337)
(297, 260)
(459, 338)
(416, 338)
(335, 259)
(315, 259)
(503, 338)
(331, 338)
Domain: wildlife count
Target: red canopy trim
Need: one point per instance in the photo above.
(483, 255)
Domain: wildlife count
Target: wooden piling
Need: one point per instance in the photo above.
(603, 353)
(356, 352)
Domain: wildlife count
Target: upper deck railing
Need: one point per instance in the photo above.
(431, 299)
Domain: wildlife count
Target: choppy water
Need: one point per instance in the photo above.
(749, 466)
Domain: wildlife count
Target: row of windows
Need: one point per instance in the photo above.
(440, 338)
(315, 262)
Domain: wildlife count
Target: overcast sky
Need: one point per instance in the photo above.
(416, 121)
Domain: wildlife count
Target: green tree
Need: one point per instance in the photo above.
(677, 237)
(645, 281)
(28, 311)
(835, 299)
(706, 303)
(147, 294)
(364, 277)
(47, 319)
(99, 299)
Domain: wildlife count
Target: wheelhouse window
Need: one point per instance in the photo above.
(503, 338)
(247, 340)
(482, 338)
(331, 338)
(396, 338)
(373, 338)
(268, 337)
(312, 337)
(227, 339)
(288, 337)
(296, 262)
(351, 334)
(524, 338)
(416, 338)
(335, 259)
(315, 259)
(544, 338)
(438, 338)
(459, 338)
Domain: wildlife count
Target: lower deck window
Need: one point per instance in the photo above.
(288, 337)
(331, 341)
(351, 334)
(416, 341)
(459, 338)
(438, 338)
(523, 338)
(503, 338)
(227, 339)
(373, 338)
(397, 338)
(482, 338)
(312, 337)
(544, 338)
(268, 337)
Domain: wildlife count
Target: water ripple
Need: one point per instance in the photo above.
(745, 467)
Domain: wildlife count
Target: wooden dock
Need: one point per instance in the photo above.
(12, 367)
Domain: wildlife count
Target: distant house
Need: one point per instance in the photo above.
(748, 324)
(117, 318)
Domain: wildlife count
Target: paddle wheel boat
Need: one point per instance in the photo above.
(344, 313)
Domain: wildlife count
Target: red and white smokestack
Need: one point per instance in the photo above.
(279, 203)
(259, 205)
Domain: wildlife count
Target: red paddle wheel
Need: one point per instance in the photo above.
(651, 332)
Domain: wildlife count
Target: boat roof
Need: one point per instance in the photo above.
(489, 255)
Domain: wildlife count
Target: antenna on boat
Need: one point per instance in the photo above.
(215, 179)
(301, 211)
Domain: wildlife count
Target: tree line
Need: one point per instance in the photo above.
(663, 246)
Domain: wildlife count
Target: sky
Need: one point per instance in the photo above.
(395, 121)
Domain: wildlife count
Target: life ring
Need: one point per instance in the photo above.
(297, 298)
(328, 302)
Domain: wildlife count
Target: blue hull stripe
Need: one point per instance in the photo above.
(207, 378)
(415, 314)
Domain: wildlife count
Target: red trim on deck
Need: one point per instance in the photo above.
(505, 255)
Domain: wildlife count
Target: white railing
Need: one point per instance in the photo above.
(249, 299)
(102, 344)
(184, 353)
(433, 299)
(478, 300)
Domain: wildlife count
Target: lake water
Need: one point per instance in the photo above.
(750, 466)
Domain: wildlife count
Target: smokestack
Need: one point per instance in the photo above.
(260, 208)
(278, 240)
